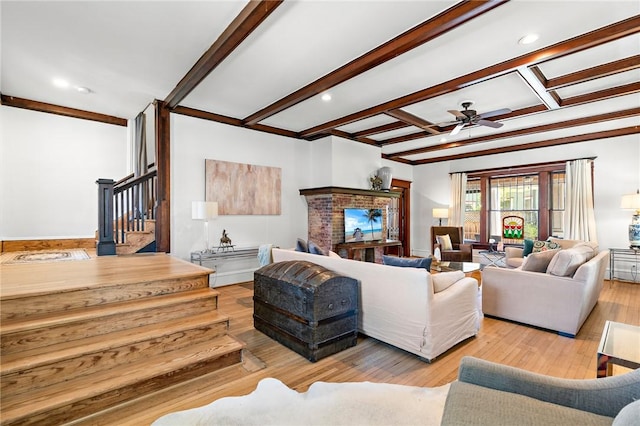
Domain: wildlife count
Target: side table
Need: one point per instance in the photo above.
(624, 256)
(620, 345)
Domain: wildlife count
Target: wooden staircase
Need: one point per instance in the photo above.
(137, 240)
(71, 353)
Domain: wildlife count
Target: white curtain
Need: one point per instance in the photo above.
(579, 219)
(458, 198)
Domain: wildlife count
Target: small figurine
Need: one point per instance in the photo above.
(357, 234)
(225, 241)
(376, 183)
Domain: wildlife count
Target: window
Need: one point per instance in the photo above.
(556, 215)
(514, 196)
(535, 193)
(472, 208)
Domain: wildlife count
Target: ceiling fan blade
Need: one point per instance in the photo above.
(489, 123)
(456, 129)
(494, 113)
(457, 113)
(448, 123)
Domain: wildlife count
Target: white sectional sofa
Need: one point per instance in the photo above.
(399, 305)
(542, 299)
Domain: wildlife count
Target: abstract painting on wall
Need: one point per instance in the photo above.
(243, 189)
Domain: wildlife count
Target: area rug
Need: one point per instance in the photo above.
(361, 403)
(41, 256)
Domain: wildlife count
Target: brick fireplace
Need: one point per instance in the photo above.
(326, 212)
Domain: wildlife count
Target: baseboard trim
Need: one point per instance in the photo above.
(53, 244)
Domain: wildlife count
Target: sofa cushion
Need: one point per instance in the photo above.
(444, 280)
(528, 248)
(469, 404)
(566, 262)
(445, 242)
(407, 262)
(539, 246)
(539, 261)
(301, 245)
(316, 249)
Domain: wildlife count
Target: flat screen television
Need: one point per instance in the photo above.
(362, 225)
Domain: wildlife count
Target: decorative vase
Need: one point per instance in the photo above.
(384, 173)
(634, 232)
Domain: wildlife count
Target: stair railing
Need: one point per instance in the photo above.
(124, 206)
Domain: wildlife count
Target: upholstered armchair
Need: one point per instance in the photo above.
(459, 252)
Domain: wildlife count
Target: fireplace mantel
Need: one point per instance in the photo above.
(350, 191)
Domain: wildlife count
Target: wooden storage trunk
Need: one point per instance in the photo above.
(306, 307)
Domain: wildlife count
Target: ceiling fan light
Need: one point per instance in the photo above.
(528, 39)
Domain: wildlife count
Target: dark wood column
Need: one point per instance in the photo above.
(163, 161)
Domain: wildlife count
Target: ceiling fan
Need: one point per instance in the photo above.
(469, 116)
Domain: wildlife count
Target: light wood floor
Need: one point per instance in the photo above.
(499, 341)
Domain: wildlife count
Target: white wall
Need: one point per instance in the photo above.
(48, 168)
(616, 172)
(344, 163)
(194, 140)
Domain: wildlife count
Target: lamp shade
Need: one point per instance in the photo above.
(630, 202)
(204, 210)
(440, 213)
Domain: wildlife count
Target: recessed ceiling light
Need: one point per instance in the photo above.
(528, 39)
(326, 97)
(84, 90)
(61, 83)
(443, 140)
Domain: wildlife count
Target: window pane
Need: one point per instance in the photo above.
(472, 208)
(557, 194)
(514, 196)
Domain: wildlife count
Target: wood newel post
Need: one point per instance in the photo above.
(106, 245)
(163, 162)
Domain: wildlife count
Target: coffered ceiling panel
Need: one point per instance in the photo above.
(393, 69)
(300, 42)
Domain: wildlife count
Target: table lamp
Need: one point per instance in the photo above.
(205, 211)
(440, 214)
(632, 202)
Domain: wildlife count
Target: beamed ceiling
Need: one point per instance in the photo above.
(393, 68)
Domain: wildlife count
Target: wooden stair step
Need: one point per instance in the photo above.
(16, 336)
(82, 396)
(23, 371)
(46, 303)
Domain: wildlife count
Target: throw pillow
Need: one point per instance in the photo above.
(539, 246)
(564, 244)
(316, 249)
(301, 245)
(407, 262)
(539, 261)
(528, 248)
(629, 415)
(444, 241)
(567, 262)
(444, 280)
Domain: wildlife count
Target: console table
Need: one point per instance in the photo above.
(624, 256)
(369, 248)
(223, 253)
